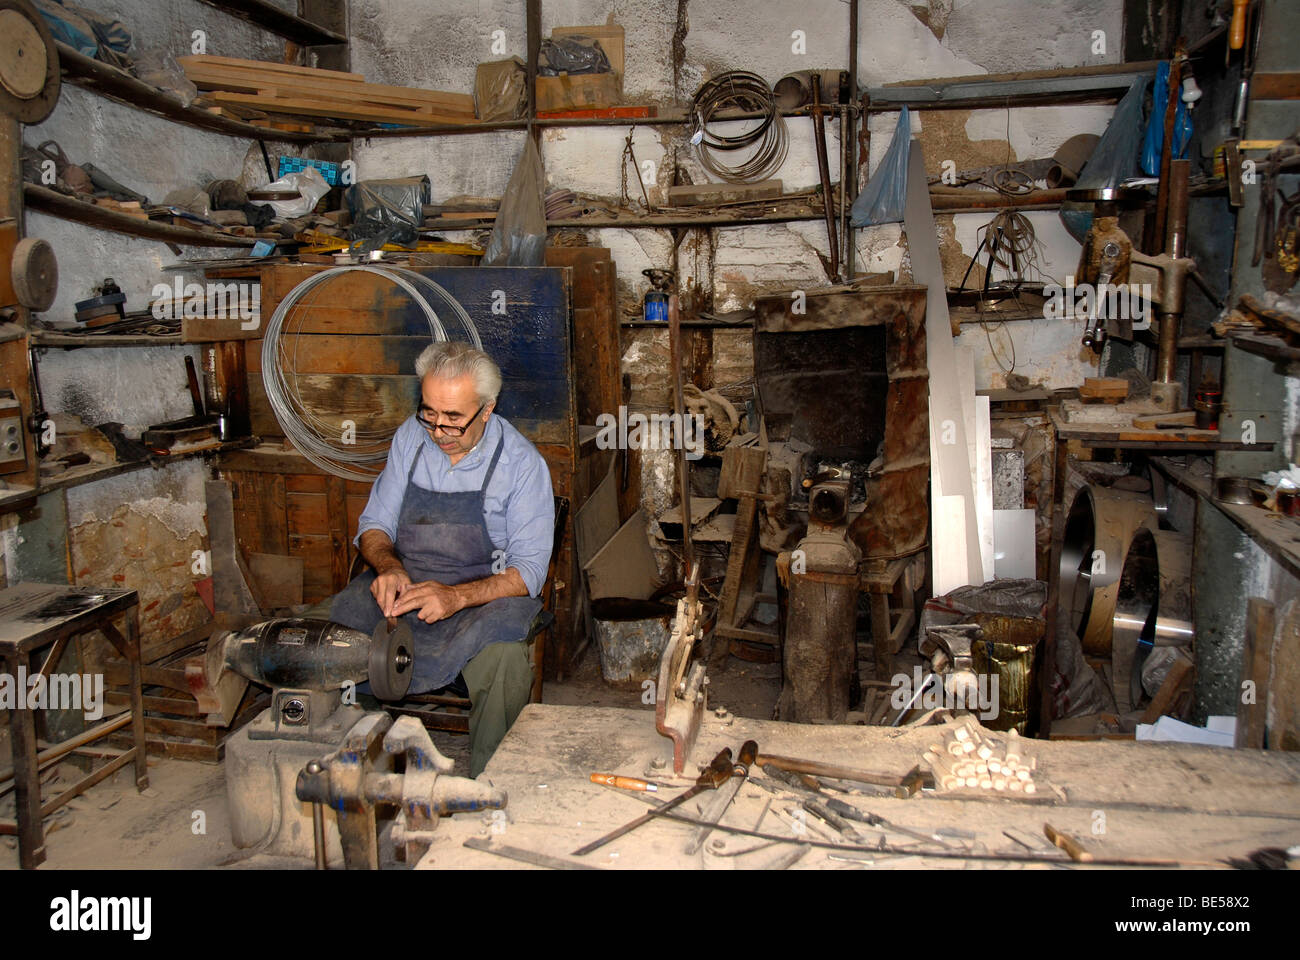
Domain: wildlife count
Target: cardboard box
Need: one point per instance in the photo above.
(610, 36)
(577, 92)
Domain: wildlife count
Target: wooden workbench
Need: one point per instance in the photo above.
(1155, 800)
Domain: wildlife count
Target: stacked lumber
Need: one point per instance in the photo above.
(969, 757)
(278, 88)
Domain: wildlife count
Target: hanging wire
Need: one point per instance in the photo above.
(315, 429)
(747, 93)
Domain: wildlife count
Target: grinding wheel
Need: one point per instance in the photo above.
(392, 655)
(29, 63)
(35, 273)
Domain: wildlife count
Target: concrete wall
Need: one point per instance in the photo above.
(420, 44)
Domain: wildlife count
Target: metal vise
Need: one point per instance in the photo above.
(360, 774)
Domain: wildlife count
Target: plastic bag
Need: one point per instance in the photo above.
(574, 55)
(311, 186)
(501, 90)
(519, 234)
(393, 207)
(886, 193)
(68, 27)
(158, 68)
(1114, 160)
(1154, 142)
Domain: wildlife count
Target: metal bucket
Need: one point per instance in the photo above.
(1009, 648)
(631, 636)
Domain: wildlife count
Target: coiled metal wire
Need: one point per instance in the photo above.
(748, 93)
(357, 453)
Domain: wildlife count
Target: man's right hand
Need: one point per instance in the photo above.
(388, 586)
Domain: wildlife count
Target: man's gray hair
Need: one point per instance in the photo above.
(450, 359)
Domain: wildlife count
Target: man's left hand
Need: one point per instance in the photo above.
(435, 601)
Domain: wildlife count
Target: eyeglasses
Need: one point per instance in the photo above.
(450, 429)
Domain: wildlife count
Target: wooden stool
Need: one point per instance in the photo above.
(34, 615)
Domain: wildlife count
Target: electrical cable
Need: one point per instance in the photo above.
(747, 93)
(357, 453)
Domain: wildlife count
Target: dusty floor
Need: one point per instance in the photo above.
(182, 820)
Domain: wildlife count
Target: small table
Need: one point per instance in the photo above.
(34, 615)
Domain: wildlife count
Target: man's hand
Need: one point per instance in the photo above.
(435, 601)
(388, 586)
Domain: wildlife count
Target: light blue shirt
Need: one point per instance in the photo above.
(519, 504)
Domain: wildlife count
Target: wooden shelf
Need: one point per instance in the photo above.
(58, 338)
(1267, 345)
(651, 221)
(287, 25)
(117, 85)
(78, 211)
(674, 119)
(1277, 534)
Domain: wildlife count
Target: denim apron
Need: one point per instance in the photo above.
(442, 537)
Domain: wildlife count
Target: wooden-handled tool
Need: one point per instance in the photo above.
(1068, 844)
(626, 783)
(1237, 29)
(715, 774)
(719, 802)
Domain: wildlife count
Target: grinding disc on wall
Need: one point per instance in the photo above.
(29, 63)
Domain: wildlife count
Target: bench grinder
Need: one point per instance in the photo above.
(312, 667)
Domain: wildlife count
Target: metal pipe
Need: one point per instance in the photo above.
(1167, 153)
(318, 822)
(1176, 246)
(824, 169)
(679, 408)
(846, 234)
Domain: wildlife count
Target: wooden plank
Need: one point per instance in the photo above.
(210, 61)
(260, 519)
(57, 205)
(1275, 86)
(337, 521)
(1179, 677)
(308, 513)
(703, 194)
(336, 109)
(1252, 718)
(1105, 389)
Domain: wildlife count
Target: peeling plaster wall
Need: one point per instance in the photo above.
(139, 531)
(392, 42)
(415, 43)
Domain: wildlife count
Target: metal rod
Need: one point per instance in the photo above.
(81, 739)
(679, 407)
(846, 235)
(1176, 244)
(1167, 153)
(824, 170)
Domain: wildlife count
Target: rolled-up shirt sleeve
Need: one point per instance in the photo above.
(530, 523)
(385, 503)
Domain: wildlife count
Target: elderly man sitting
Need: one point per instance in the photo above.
(458, 531)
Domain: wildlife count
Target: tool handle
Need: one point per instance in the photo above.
(1067, 843)
(1237, 31)
(623, 783)
(748, 754)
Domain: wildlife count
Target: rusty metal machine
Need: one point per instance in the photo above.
(681, 694)
(820, 671)
(1109, 260)
(316, 745)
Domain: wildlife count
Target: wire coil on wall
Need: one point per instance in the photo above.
(354, 453)
(748, 93)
